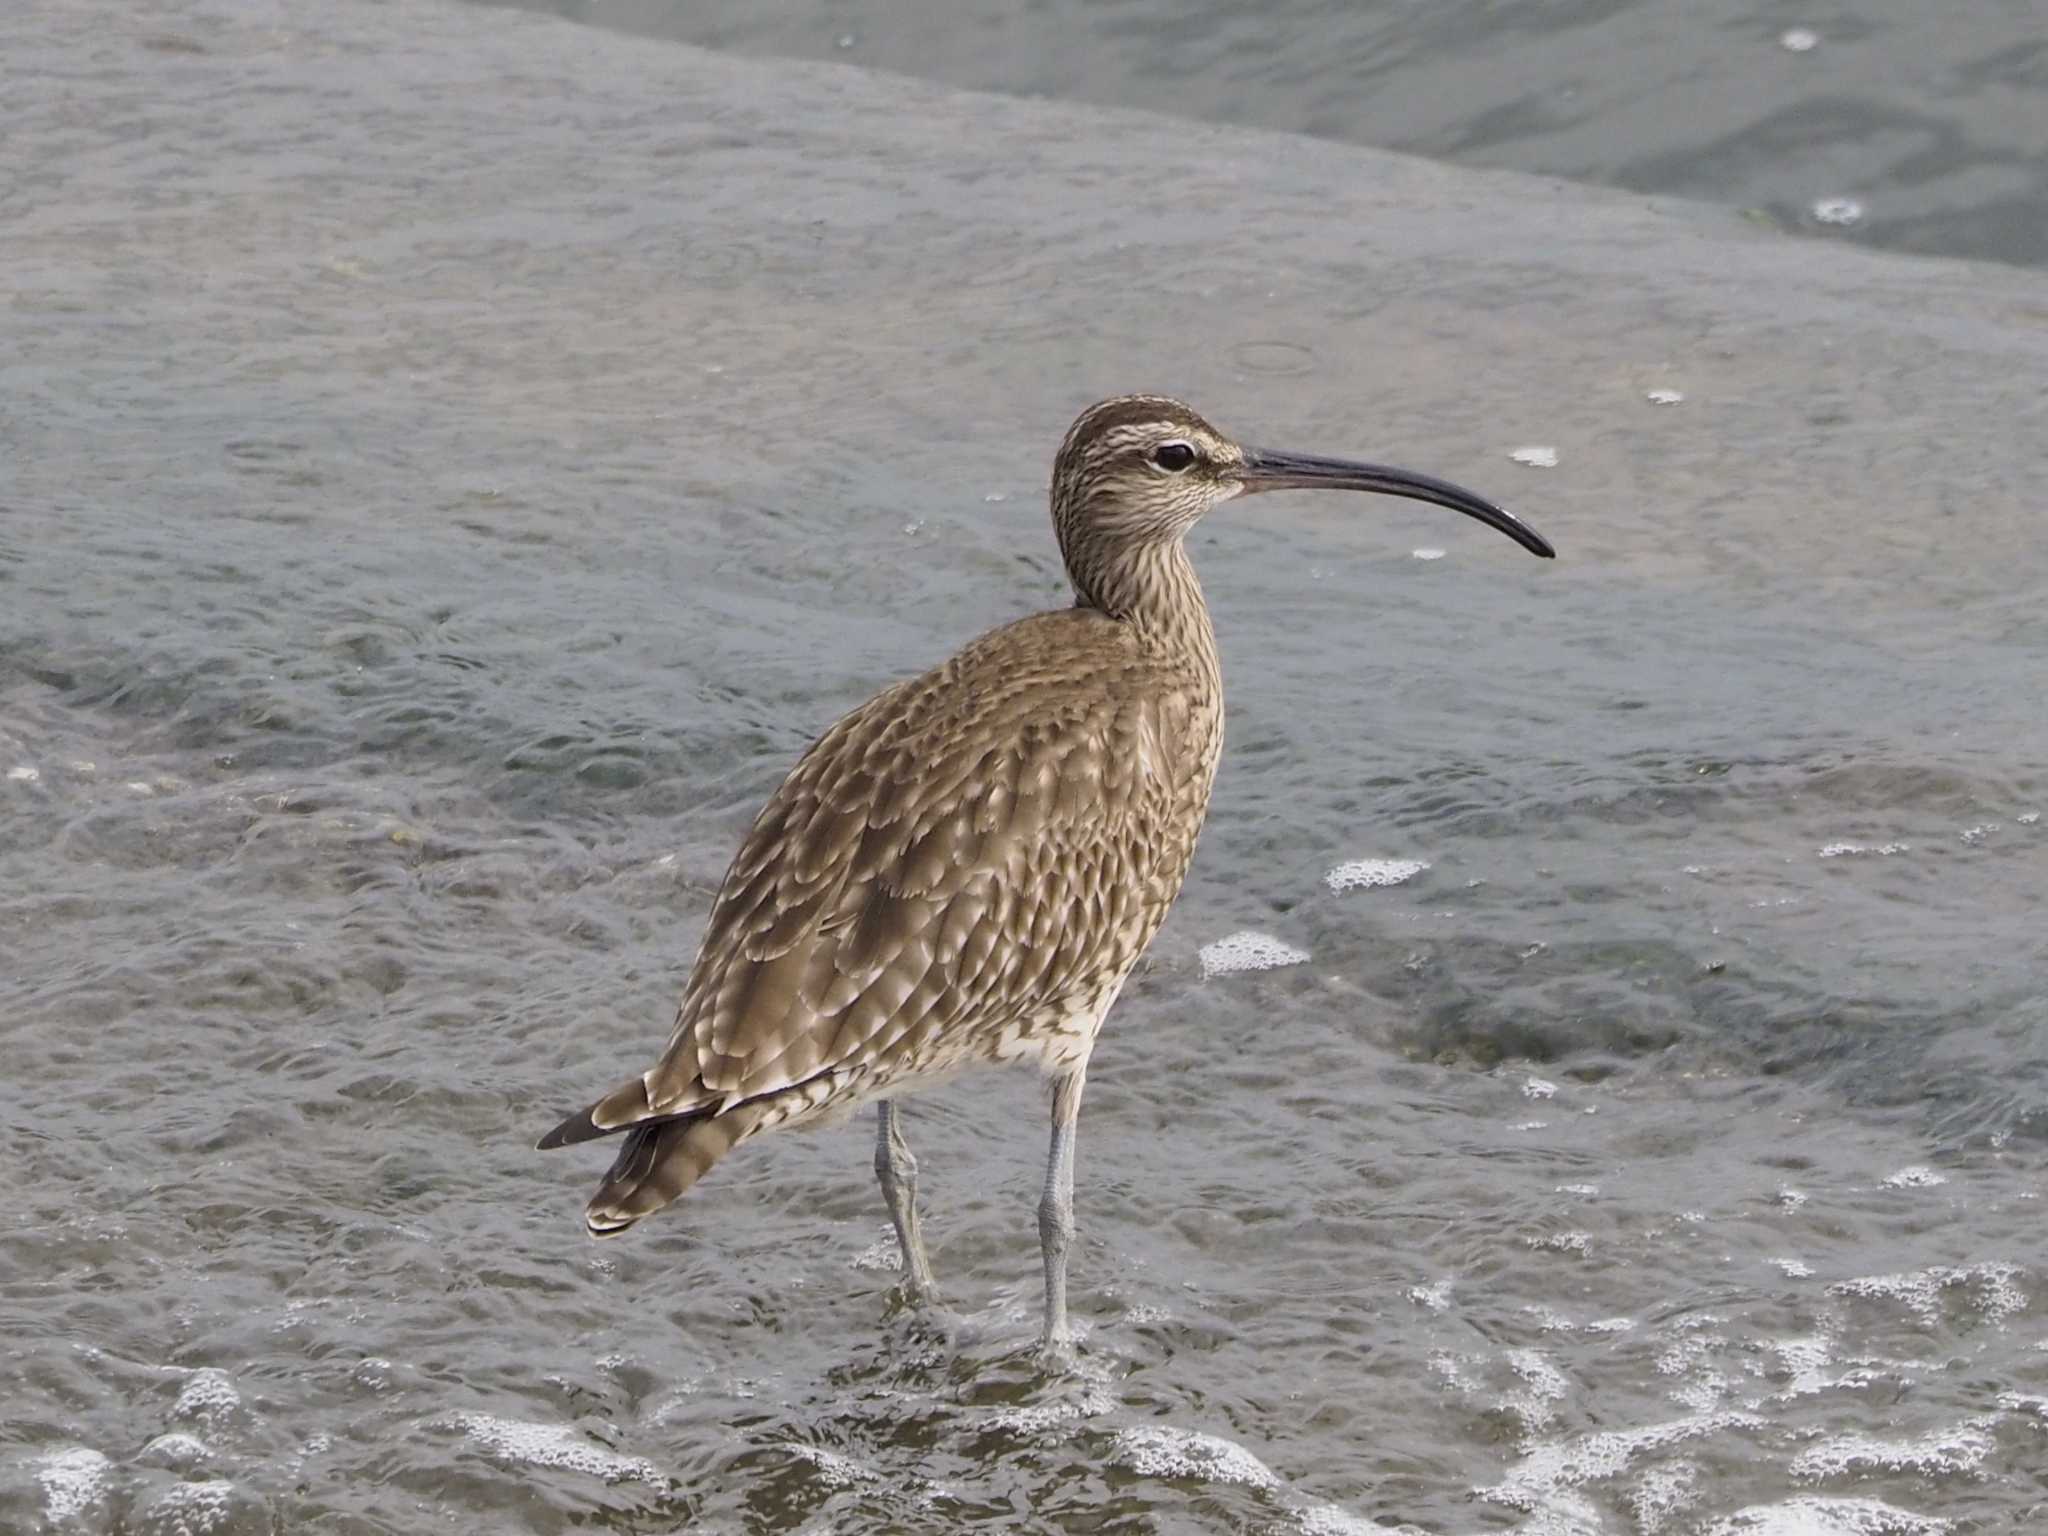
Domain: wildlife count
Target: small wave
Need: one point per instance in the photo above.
(179, 1452)
(1960, 1448)
(1996, 1289)
(1162, 1451)
(552, 1445)
(209, 1396)
(1435, 1297)
(836, 1469)
(1556, 1467)
(1827, 1517)
(195, 1509)
(1919, 1176)
(72, 1481)
(1536, 1404)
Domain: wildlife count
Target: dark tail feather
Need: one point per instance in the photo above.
(662, 1159)
(619, 1110)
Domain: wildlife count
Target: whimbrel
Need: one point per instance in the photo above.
(966, 868)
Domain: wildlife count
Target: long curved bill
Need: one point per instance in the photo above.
(1266, 469)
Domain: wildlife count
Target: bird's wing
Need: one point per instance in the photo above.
(980, 842)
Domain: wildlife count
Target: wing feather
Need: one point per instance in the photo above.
(969, 847)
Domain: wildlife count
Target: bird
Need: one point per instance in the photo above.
(966, 868)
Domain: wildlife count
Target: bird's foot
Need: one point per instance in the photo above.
(1058, 1355)
(919, 1299)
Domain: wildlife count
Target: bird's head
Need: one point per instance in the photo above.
(1139, 471)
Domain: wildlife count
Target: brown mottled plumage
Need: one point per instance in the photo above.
(966, 867)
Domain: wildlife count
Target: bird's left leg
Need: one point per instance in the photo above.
(1056, 1209)
(896, 1169)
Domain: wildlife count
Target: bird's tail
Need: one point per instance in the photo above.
(662, 1159)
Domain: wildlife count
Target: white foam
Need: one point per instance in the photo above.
(299, 1311)
(208, 1395)
(1564, 1514)
(1827, 1517)
(1535, 456)
(552, 1445)
(1546, 1387)
(882, 1253)
(1798, 39)
(1561, 1242)
(1162, 1451)
(1960, 1448)
(1587, 1190)
(1919, 1291)
(72, 1481)
(1550, 1320)
(1435, 1297)
(1684, 1352)
(1246, 950)
(190, 1509)
(1452, 1368)
(1539, 1088)
(2020, 1402)
(2028, 818)
(1664, 397)
(1919, 1176)
(1844, 211)
(1663, 1492)
(179, 1452)
(1428, 554)
(1975, 835)
(1794, 1269)
(1804, 1360)
(24, 774)
(1357, 874)
(1034, 1418)
(1852, 850)
(1789, 1199)
(1330, 1520)
(836, 1470)
(1554, 1466)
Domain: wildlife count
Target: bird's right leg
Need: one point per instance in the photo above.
(897, 1171)
(1056, 1216)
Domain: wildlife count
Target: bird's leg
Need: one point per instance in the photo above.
(1056, 1209)
(897, 1171)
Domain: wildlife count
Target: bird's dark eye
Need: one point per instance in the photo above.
(1173, 456)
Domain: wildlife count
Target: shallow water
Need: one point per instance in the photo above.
(447, 486)
(1912, 127)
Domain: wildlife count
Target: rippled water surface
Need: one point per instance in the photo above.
(453, 466)
(1915, 127)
